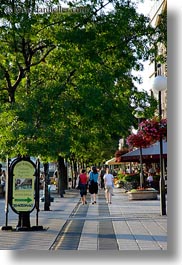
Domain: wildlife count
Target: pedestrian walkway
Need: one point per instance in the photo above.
(122, 225)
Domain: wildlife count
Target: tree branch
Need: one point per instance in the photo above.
(42, 59)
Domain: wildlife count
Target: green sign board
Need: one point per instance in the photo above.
(23, 186)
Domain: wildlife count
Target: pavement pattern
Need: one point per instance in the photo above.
(69, 225)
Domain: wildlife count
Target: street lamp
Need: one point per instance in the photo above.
(160, 84)
(139, 114)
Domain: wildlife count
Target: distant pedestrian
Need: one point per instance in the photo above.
(83, 182)
(93, 184)
(150, 178)
(3, 180)
(109, 183)
(102, 173)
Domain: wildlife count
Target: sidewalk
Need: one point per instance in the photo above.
(137, 224)
(123, 225)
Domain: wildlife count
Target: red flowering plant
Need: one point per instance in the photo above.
(153, 129)
(138, 140)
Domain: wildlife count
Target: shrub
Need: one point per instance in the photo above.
(132, 177)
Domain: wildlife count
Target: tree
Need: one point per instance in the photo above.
(66, 83)
(22, 45)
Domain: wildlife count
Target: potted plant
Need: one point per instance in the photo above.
(153, 129)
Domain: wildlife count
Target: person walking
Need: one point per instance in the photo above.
(3, 181)
(108, 182)
(93, 184)
(102, 173)
(150, 179)
(83, 181)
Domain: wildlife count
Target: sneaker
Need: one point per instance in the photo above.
(95, 202)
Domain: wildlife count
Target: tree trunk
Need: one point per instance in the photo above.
(62, 176)
(75, 172)
(11, 96)
(46, 190)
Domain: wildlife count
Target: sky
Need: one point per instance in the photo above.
(145, 8)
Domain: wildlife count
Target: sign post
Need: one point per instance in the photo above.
(21, 197)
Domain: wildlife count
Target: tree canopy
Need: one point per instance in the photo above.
(66, 82)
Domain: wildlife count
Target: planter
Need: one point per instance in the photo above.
(142, 195)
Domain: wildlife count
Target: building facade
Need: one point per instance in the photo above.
(159, 68)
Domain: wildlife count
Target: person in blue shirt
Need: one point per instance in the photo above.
(93, 184)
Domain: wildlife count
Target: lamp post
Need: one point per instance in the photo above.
(160, 84)
(139, 114)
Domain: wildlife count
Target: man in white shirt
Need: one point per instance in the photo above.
(108, 182)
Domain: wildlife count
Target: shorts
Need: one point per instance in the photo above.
(109, 188)
(93, 188)
(83, 189)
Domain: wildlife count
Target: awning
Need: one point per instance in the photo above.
(151, 153)
(112, 161)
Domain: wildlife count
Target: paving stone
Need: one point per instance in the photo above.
(123, 225)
